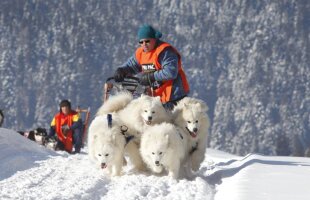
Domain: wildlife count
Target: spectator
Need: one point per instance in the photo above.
(68, 127)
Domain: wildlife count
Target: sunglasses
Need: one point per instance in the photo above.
(146, 41)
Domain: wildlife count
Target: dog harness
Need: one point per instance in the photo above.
(194, 148)
(181, 136)
(124, 129)
(109, 118)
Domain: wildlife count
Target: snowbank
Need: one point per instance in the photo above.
(29, 171)
(19, 153)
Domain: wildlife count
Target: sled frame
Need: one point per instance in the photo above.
(85, 121)
(129, 83)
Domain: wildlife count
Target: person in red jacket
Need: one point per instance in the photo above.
(68, 127)
(160, 66)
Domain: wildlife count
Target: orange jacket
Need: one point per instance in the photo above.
(60, 120)
(151, 58)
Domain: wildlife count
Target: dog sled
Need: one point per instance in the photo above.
(130, 83)
(84, 116)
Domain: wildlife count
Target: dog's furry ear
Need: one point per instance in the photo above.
(181, 104)
(202, 107)
(167, 139)
(113, 139)
(157, 98)
(187, 106)
(176, 112)
(144, 96)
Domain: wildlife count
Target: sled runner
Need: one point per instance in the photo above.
(130, 84)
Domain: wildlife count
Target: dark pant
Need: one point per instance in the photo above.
(77, 135)
(170, 104)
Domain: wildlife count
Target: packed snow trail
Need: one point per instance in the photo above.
(59, 175)
(75, 177)
(30, 171)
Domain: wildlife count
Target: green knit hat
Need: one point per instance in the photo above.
(147, 31)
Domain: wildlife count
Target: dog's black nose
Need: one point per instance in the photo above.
(157, 162)
(195, 130)
(103, 165)
(150, 118)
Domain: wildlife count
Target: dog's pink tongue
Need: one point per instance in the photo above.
(193, 134)
(103, 165)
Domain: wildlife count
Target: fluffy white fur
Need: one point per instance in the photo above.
(136, 115)
(139, 114)
(164, 146)
(106, 145)
(190, 114)
(115, 103)
(143, 112)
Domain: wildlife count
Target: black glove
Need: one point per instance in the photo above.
(120, 74)
(147, 79)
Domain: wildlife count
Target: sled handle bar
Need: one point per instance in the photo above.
(129, 78)
(129, 81)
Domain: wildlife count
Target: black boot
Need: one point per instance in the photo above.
(76, 150)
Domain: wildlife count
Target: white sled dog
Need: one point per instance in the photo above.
(139, 114)
(143, 112)
(190, 114)
(164, 147)
(106, 144)
(136, 115)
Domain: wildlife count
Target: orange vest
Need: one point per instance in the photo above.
(165, 90)
(60, 120)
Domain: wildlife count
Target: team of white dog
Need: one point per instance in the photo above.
(154, 139)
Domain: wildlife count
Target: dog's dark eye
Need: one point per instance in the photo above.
(145, 110)
(153, 153)
(153, 112)
(189, 122)
(160, 153)
(106, 154)
(99, 154)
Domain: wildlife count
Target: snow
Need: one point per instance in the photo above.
(30, 171)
